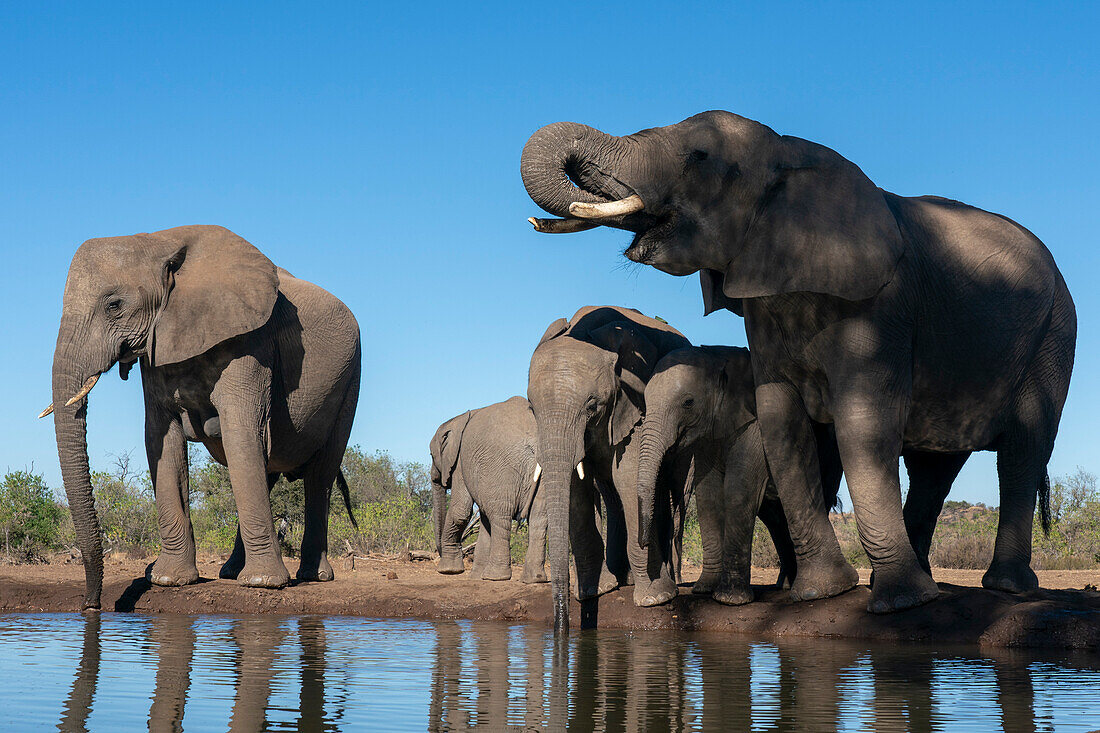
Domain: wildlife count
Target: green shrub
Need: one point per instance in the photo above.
(30, 519)
(126, 508)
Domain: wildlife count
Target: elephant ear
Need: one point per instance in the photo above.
(635, 357)
(218, 286)
(710, 281)
(820, 226)
(735, 381)
(449, 445)
(555, 329)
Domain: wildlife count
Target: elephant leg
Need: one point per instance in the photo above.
(585, 539)
(167, 450)
(498, 566)
(534, 566)
(484, 542)
(709, 506)
(232, 567)
(616, 565)
(869, 425)
(238, 399)
(771, 514)
(930, 479)
(454, 523)
(791, 449)
(746, 478)
(651, 566)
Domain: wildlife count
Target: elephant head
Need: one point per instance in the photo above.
(697, 393)
(754, 212)
(444, 449)
(586, 389)
(161, 298)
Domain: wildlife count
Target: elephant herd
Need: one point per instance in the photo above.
(881, 328)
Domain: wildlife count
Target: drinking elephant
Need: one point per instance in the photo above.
(487, 456)
(586, 387)
(701, 405)
(920, 326)
(259, 366)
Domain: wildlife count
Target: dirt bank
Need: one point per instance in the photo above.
(1065, 614)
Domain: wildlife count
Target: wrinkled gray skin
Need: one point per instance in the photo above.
(586, 387)
(259, 366)
(487, 456)
(701, 405)
(918, 326)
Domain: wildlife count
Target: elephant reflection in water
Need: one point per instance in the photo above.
(79, 703)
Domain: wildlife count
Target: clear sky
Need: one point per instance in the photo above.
(373, 148)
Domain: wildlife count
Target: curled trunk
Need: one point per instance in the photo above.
(655, 443)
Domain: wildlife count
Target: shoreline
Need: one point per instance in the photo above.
(1063, 615)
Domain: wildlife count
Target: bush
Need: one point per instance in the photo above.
(126, 508)
(30, 519)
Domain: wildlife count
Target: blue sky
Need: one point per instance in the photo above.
(375, 151)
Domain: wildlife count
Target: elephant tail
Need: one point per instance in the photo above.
(1044, 502)
(342, 484)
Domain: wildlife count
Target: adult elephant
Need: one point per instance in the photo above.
(259, 366)
(701, 406)
(487, 456)
(920, 326)
(586, 387)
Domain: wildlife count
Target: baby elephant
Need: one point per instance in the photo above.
(487, 456)
(701, 402)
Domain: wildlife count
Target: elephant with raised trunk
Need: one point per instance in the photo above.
(919, 325)
(701, 405)
(487, 456)
(259, 366)
(587, 389)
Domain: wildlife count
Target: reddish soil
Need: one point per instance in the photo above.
(1065, 614)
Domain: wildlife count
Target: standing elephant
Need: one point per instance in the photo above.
(259, 366)
(586, 386)
(487, 456)
(701, 404)
(917, 326)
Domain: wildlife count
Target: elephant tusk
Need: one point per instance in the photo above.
(45, 412)
(622, 207)
(560, 226)
(538, 472)
(580, 470)
(83, 390)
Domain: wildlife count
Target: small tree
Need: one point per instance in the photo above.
(30, 519)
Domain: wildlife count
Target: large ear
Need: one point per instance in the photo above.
(451, 442)
(635, 358)
(735, 383)
(713, 298)
(218, 286)
(820, 226)
(555, 329)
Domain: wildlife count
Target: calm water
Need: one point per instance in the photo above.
(115, 672)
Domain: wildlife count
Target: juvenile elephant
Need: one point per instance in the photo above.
(586, 387)
(487, 456)
(917, 326)
(259, 366)
(701, 404)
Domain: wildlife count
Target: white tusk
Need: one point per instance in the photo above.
(580, 470)
(45, 412)
(83, 390)
(560, 226)
(538, 472)
(622, 207)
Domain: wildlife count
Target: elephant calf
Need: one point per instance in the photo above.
(701, 403)
(260, 367)
(487, 456)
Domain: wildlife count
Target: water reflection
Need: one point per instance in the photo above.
(115, 671)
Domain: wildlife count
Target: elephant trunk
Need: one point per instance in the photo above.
(558, 456)
(71, 428)
(656, 439)
(567, 162)
(439, 505)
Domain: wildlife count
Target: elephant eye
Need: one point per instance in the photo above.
(698, 155)
(113, 307)
(689, 402)
(590, 406)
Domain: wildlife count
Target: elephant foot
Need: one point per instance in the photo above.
(1011, 577)
(232, 567)
(494, 572)
(172, 572)
(534, 575)
(823, 580)
(316, 570)
(450, 565)
(606, 583)
(733, 595)
(705, 585)
(656, 593)
(897, 590)
(267, 573)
